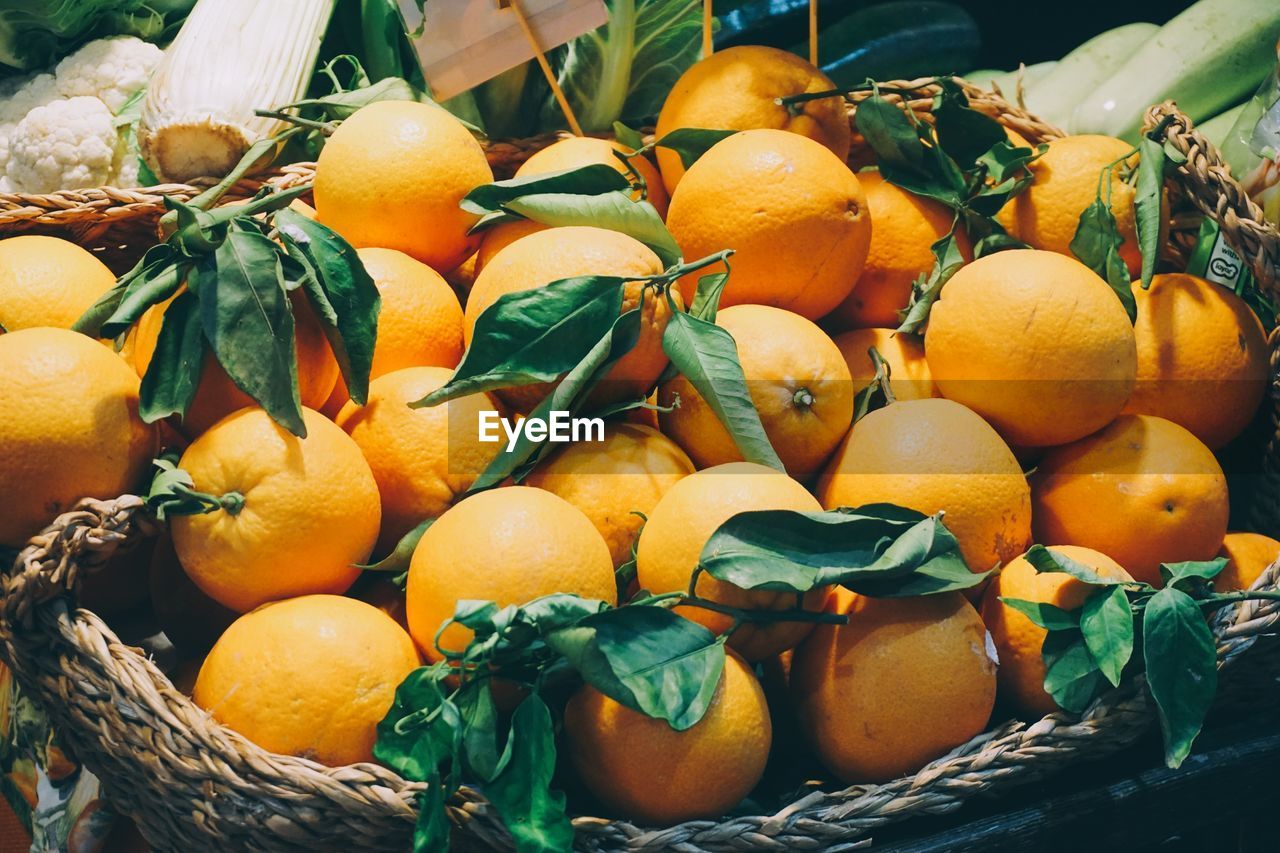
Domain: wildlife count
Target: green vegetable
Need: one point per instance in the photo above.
(1217, 128)
(1055, 95)
(893, 41)
(1209, 57)
(624, 70)
(36, 33)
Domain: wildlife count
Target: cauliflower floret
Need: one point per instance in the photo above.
(70, 144)
(6, 133)
(128, 175)
(110, 69)
(34, 92)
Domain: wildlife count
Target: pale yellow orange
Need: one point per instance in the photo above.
(1036, 343)
(909, 377)
(70, 429)
(794, 214)
(509, 546)
(47, 281)
(299, 513)
(679, 527)
(312, 676)
(738, 89)
(615, 482)
(797, 379)
(1248, 556)
(935, 455)
(392, 176)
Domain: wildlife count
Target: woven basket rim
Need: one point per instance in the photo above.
(40, 636)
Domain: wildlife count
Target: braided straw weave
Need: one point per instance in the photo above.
(189, 782)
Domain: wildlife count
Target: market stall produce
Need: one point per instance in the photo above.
(797, 449)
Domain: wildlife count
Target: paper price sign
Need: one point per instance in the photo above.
(466, 42)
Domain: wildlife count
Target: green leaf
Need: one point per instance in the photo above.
(878, 393)
(628, 136)
(964, 133)
(879, 550)
(690, 143)
(1072, 677)
(156, 258)
(1096, 244)
(647, 658)
(708, 357)
(1147, 204)
(891, 135)
(1185, 576)
(342, 105)
(398, 560)
(1046, 560)
(173, 375)
(1181, 666)
(533, 813)
(614, 210)
(534, 335)
(479, 729)
(158, 282)
(569, 395)
(706, 299)
(626, 68)
(422, 729)
(247, 320)
(432, 830)
(343, 293)
(947, 261)
(1046, 616)
(1107, 625)
(592, 179)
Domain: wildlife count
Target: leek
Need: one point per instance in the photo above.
(230, 58)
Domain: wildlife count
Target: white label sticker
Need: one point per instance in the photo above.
(466, 42)
(1224, 265)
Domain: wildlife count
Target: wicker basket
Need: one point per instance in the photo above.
(189, 782)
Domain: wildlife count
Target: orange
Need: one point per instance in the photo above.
(1202, 357)
(1034, 342)
(672, 540)
(312, 676)
(1019, 640)
(738, 89)
(419, 323)
(423, 459)
(392, 175)
(906, 227)
(793, 213)
(1143, 491)
(643, 769)
(615, 482)
(46, 281)
(909, 377)
(546, 256)
(501, 236)
(307, 510)
(935, 455)
(1248, 555)
(217, 395)
(70, 428)
(1046, 214)
(508, 546)
(191, 620)
(797, 379)
(906, 681)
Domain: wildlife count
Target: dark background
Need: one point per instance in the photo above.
(1016, 31)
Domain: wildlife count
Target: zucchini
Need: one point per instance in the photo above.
(776, 23)
(1055, 96)
(1217, 128)
(983, 76)
(1008, 82)
(1207, 58)
(889, 41)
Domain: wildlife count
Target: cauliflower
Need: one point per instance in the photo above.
(35, 91)
(129, 174)
(6, 132)
(111, 69)
(68, 144)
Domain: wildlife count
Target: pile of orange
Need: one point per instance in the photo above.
(1028, 358)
